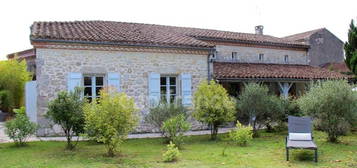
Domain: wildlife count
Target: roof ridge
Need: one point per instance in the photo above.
(310, 31)
(115, 31)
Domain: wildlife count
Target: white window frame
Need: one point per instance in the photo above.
(168, 85)
(234, 56)
(286, 58)
(93, 85)
(261, 57)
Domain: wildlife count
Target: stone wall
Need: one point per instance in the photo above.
(53, 66)
(251, 55)
(325, 47)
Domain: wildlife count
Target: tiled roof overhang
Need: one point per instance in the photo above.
(279, 72)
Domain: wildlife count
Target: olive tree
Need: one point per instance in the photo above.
(111, 119)
(164, 111)
(333, 104)
(260, 108)
(212, 105)
(66, 110)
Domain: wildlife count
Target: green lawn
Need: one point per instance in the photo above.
(266, 151)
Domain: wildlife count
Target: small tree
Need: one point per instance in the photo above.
(111, 119)
(20, 128)
(351, 48)
(334, 104)
(67, 111)
(174, 129)
(164, 111)
(212, 105)
(258, 106)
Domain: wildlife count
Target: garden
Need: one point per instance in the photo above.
(258, 139)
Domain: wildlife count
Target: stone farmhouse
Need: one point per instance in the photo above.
(154, 63)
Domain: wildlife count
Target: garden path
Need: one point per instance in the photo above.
(4, 138)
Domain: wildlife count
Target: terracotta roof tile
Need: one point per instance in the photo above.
(137, 33)
(302, 36)
(224, 70)
(336, 66)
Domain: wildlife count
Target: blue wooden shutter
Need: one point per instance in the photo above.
(114, 80)
(154, 88)
(74, 80)
(186, 88)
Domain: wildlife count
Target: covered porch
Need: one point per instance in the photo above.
(282, 79)
(279, 88)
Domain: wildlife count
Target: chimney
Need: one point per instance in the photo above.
(259, 29)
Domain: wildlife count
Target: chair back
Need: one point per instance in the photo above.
(299, 124)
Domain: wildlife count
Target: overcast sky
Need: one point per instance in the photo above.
(279, 17)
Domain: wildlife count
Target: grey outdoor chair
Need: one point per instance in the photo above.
(300, 135)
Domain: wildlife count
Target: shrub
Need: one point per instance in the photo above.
(213, 106)
(20, 128)
(111, 119)
(13, 76)
(260, 108)
(164, 111)
(6, 100)
(172, 153)
(174, 129)
(66, 110)
(241, 135)
(334, 104)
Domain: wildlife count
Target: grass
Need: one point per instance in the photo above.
(266, 151)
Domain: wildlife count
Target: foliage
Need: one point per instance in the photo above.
(334, 104)
(172, 153)
(20, 128)
(111, 119)
(213, 106)
(351, 48)
(241, 135)
(6, 100)
(13, 76)
(259, 107)
(174, 129)
(66, 110)
(164, 111)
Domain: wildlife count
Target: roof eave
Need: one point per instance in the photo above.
(255, 42)
(272, 79)
(126, 44)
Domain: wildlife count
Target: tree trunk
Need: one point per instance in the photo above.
(214, 131)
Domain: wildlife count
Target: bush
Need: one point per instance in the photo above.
(171, 154)
(260, 108)
(20, 128)
(111, 119)
(174, 129)
(164, 111)
(241, 135)
(213, 106)
(67, 111)
(13, 77)
(6, 101)
(334, 104)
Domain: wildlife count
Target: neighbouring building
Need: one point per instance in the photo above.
(29, 56)
(325, 47)
(154, 63)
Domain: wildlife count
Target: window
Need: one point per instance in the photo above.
(286, 58)
(261, 57)
(168, 88)
(234, 56)
(92, 85)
